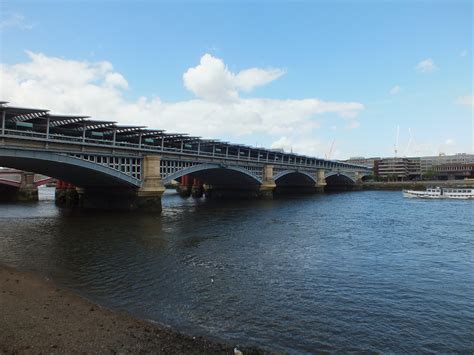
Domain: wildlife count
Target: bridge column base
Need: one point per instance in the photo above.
(117, 199)
(321, 181)
(265, 191)
(27, 194)
(183, 190)
(320, 188)
(197, 191)
(229, 192)
(148, 202)
(68, 197)
(27, 190)
(148, 197)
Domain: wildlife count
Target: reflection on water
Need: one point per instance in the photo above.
(361, 271)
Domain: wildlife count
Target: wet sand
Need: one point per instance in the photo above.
(36, 316)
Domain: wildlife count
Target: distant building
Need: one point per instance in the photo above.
(427, 164)
(441, 166)
(369, 162)
(454, 171)
(398, 169)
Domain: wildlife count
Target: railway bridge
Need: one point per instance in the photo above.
(21, 185)
(114, 166)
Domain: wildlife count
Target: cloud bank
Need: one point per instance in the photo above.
(217, 111)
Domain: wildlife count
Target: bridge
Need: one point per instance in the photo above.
(127, 166)
(20, 185)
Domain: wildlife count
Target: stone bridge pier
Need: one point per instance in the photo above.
(320, 180)
(27, 191)
(149, 194)
(268, 186)
(18, 186)
(147, 197)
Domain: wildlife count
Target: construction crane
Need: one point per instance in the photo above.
(396, 142)
(328, 155)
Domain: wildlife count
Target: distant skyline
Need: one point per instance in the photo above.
(291, 75)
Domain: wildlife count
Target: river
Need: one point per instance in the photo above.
(354, 271)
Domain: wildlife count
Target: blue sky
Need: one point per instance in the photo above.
(348, 71)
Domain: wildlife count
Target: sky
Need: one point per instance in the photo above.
(333, 79)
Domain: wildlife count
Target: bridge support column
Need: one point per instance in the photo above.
(149, 195)
(27, 190)
(65, 194)
(184, 188)
(320, 180)
(358, 181)
(268, 185)
(197, 190)
(358, 177)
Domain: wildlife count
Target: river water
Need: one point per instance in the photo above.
(355, 271)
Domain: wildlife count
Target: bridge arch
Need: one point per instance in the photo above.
(339, 181)
(61, 166)
(340, 176)
(7, 182)
(44, 181)
(217, 174)
(294, 178)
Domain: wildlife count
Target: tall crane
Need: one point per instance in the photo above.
(396, 141)
(328, 155)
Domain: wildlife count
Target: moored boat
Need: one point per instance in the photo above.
(441, 193)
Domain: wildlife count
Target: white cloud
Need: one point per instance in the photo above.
(463, 53)
(467, 100)
(96, 89)
(426, 66)
(15, 20)
(211, 80)
(312, 147)
(450, 141)
(395, 90)
(115, 80)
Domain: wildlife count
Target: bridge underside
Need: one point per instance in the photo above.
(339, 182)
(226, 178)
(224, 182)
(98, 186)
(9, 193)
(295, 183)
(101, 186)
(220, 183)
(77, 175)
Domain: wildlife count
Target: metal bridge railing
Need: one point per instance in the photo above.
(59, 138)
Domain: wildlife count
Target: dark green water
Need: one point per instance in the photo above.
(360, 271)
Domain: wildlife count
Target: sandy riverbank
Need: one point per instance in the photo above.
(36, 316)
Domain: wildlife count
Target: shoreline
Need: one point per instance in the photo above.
(40, 317)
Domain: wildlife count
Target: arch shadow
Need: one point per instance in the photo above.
(339, 182)
(216, 174)
(294, 178)
(67, 168)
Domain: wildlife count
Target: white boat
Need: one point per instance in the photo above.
(441, 192)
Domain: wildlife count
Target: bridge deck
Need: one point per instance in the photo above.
(23, 127)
